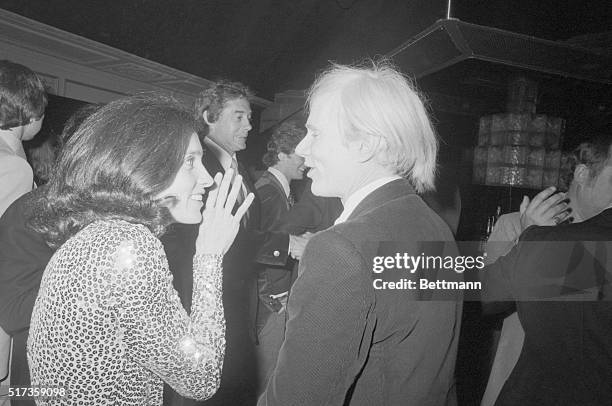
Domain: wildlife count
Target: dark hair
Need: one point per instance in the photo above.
(214, 98)
(22, 95)
(285, 138)
(594, 153)
(74, 121)
(114, 165)
(43, 157)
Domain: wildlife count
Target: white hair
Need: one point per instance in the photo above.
(379, 102)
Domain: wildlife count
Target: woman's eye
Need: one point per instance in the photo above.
(189, 162)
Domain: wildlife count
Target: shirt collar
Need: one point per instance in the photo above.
(224, 158)
(357, 197)
(13, 143)
(282, 179)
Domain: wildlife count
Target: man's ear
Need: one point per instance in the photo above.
(365, 147)
(582, 174)
(282, 156)
(205, 116)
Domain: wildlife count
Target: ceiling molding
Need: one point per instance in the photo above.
(62, 57)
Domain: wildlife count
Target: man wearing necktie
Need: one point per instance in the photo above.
(273, 282)
(223, 114)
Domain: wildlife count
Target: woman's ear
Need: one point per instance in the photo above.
(205, 115)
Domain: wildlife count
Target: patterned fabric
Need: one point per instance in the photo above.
(109, 327)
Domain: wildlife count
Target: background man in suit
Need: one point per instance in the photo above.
(22, 108)
(273, 283)
(223, 113)
(346, 342)
(566, 358)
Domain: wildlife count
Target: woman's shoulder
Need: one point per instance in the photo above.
(114, 232)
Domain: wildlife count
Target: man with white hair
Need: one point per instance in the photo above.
(371, 143)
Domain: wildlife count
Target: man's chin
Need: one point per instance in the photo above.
(318, 189)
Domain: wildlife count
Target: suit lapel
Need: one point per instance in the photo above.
(211, 163)
(279, 188)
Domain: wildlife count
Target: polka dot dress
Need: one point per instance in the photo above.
(109, 327)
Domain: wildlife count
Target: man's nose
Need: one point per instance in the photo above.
(204, 177)
(303, 147)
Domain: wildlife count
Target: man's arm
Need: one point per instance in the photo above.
(23, 258)
(273, 205)
(326, 342)
(274, 245)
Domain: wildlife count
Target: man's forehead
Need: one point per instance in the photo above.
(240, 105)
(319, 114)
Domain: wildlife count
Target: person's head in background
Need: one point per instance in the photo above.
(280, 153)
(138, 159)
(590, 178)
(364, 124)
(42, 157)
(22, 101)
(223, 114)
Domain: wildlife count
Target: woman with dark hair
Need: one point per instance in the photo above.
(107, 325)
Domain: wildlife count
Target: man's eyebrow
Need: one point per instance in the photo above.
(198, 152)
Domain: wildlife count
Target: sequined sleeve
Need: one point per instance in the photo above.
(186, 352)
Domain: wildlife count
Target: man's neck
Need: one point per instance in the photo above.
(281, 177)
(224, 157)
(572, 195)
(282, 170)
(365, 178)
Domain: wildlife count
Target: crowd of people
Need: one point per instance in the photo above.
(151, 269)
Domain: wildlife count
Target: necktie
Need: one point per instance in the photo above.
(291, 200)
(242, 192)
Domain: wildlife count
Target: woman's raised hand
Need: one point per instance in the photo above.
(219, 226)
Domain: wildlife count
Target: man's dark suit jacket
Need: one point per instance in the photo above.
(567, 354)
(311, 213)
(347, 343)
(271, 280)
(23, 258)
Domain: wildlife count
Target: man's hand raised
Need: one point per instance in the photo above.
(546, 209)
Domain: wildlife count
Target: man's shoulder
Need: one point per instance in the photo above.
(266, 178)
(5, 150)
(334, 246)
(338, 238)
(14, 164)
(406, 217)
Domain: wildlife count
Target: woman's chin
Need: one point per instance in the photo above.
(187, 218)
